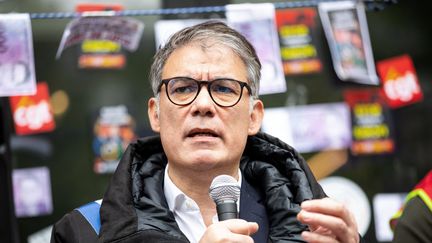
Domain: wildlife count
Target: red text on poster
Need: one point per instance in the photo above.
(400, 84)
(33, 114)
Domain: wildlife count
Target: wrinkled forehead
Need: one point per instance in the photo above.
(196, 59)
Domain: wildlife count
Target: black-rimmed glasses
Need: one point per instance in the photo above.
(224, 92)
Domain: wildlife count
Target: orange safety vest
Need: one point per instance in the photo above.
(423, 190)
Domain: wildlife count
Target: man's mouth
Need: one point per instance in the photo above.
(202, 133)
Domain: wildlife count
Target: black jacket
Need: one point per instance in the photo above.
(134, 207)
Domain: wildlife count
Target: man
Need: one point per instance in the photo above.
(207, 112)
(413, 221)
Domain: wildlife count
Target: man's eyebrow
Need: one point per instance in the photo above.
(222, 77)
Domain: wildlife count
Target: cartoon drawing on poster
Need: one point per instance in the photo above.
(113, 130)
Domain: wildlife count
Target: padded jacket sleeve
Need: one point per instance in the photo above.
(73, 228)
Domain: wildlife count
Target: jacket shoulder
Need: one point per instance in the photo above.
(73, 228)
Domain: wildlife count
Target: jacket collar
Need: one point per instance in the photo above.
(135, 202)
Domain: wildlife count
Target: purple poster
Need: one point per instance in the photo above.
(32, 191)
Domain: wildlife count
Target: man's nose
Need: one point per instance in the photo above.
(203, 104)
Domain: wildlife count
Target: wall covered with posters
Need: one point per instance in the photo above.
(93, 96)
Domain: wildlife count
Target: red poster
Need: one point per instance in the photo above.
(33, 114)
(400, 83)
(87, 7)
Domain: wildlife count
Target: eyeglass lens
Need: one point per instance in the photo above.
(183, 91)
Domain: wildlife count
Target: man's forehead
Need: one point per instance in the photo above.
(215, 52)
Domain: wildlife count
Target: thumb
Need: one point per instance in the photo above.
(240, 226)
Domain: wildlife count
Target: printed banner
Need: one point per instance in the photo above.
(297, 35)
(257, 23)
(124, 31)
(32, 191)
(400, 85)
(347, 34)
(327, 124)
(17, 71)
(33, 114)
(113, 130)
(372, 131)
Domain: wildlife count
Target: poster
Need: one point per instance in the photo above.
(41, 236)
(33, 114)
(125, 31)
(32, 191)
(327, 124)
(257, 23)
(113, 130)
(385, 205)
(297, 38)
(372, 130)
(400, 85)
(347, 34)
(17, 71)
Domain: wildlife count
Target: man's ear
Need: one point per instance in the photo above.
(153, 114)
(256, 117)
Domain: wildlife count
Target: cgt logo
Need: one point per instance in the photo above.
(33, 114)
(400, 83)
(403, 88)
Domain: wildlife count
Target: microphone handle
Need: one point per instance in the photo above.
(227, 210)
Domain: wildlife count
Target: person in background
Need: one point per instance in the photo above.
(208, 115)
(413, 222)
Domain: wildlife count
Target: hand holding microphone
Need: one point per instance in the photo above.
(225, 192)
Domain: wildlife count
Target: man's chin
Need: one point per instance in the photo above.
(206, 162)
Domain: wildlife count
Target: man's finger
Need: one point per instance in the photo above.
(329, 206)
(333, 226)
(311, 237)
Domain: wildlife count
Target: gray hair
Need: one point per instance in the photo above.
(215, 32)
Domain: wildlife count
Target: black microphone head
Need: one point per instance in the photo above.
(224, 188)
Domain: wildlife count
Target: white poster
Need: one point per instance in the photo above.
(257, 23)
(385, 205)
(347, 34)
(17, 71)
(310, 128)
(125, 31)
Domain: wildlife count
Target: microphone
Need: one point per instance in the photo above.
(225, 192)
